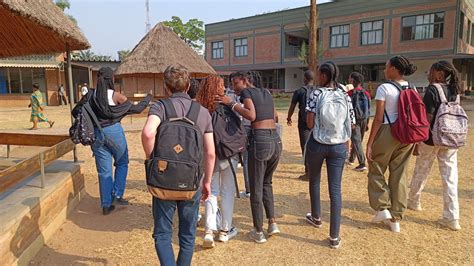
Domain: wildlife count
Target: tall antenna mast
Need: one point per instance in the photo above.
(147, 23)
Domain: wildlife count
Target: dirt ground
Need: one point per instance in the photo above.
(124, 237)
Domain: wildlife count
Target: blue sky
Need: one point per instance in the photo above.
(112, 25)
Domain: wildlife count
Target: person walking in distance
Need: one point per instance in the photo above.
(37, 110)
(300, 97)
(61, 95)
(361, 103)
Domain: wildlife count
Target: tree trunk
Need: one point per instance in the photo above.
(313, 46)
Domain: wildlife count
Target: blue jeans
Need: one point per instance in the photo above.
(113, 146)
(163, 213)
(335, 156)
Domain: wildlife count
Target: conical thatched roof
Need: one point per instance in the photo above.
(160, 48)
(36, 27)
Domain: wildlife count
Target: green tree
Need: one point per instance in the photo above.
(64, 4)
(122, 54)
(303, 53)
(191, 32)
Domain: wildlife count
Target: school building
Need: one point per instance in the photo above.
(18, 74)
(358, 35)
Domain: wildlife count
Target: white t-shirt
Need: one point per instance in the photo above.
(110, 95)
(84, 90)
(389, 94)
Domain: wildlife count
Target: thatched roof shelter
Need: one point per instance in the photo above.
(36, 27)
(160, 48)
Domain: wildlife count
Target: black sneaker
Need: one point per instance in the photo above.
(108, 210)
(120, 201)
(360, 168)
(335, 243)
(313, 221)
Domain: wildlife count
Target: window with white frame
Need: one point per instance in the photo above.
(371, 32)
(339, 36)
(423, 27)
(217, 50)
(240, 47)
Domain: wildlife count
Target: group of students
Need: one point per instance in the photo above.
(327, 121)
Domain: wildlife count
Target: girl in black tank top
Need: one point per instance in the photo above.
(263, 152)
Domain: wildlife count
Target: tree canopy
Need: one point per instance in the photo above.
(64, 4)
(191, 32)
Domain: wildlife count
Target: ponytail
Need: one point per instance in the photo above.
(451, 75)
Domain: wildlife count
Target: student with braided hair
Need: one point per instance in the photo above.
(446, 75)
(330, 116)
(384, 151)
(264, 150)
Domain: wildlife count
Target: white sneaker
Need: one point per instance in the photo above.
(394, 226)
(244, 194)
(451, 224)
(415, 206)
(208, 240)
(223, 236)
(273, 229)
(232, 232)
(382, 216)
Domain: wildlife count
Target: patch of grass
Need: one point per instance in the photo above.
(282, 101)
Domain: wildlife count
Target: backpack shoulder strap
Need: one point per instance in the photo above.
(194, 111)
(169, 108)
(88, 108)
(440, 92)
(396, 84)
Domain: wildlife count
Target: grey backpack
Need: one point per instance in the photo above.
(332, 123)
(451, 123)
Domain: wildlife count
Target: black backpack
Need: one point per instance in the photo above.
(82, 130)
(230, 137)
(360, 103)
(175, 168)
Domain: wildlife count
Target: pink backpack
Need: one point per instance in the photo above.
(412, 125)
(451, 123)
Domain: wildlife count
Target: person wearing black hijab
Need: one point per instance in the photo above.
(110, 107)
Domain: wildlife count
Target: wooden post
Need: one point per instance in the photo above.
(89, 72)
(71, 92)
(313, 28)
(42, 173)
(8, 151)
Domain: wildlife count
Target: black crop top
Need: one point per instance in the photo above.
(263, 102)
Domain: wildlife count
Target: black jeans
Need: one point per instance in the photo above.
(304, 132)
(356, 139)
(264, 154)
(335, 155)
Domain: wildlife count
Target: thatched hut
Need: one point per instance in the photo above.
(143, 68)
(36, 27)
